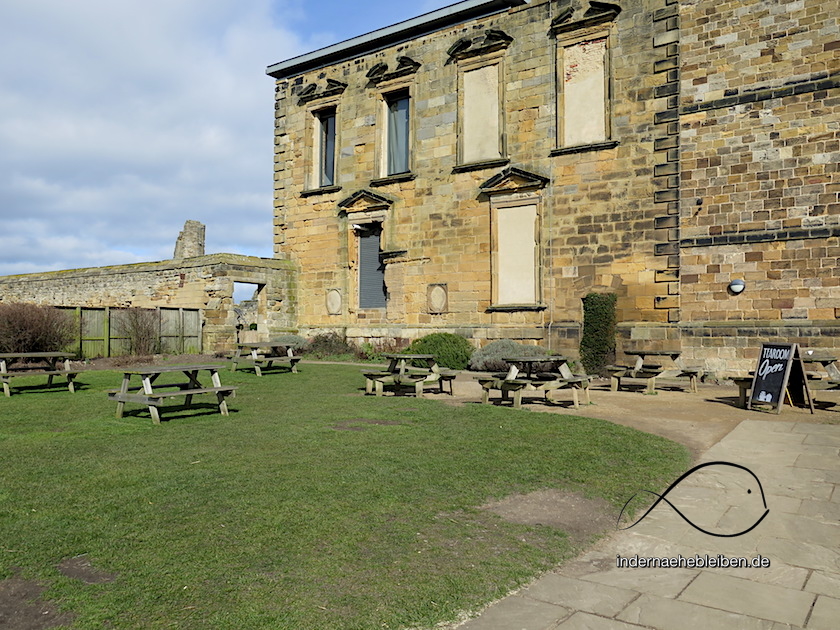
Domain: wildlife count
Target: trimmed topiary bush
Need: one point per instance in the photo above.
(597, 342)
(450, 351)
(489, 358)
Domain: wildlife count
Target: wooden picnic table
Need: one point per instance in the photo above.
(827, 378)
(648, 366)
(560, 376)
(400, 375)
(13, 364)
(273, 352)
(152, 394)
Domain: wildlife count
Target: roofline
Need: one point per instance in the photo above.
(390, 36)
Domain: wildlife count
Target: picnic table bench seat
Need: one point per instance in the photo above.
(446, 376)
(70, 374)
(155, 398)
(265, 362)
(505, 386)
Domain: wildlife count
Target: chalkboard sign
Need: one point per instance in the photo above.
(779, 371)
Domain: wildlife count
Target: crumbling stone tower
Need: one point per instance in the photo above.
(190, 241)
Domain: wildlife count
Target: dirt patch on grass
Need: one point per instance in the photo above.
(80, 568)
(21, 607)
(576, 515)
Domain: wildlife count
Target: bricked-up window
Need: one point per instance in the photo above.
(481, 123)
(372, 290)
(399, 129)
(584, 92)
(324, 145)
(515, 256)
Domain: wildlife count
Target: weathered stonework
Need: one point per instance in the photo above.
(597, 226)
(190, 241)
(720, 161)
(203, 282)
(760, 190)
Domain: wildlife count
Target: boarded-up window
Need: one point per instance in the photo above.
(516, 255)
(480, 128)
(372, 291)
(584, 92)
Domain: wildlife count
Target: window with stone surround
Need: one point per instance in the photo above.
(396, 150)
(481, 127)
(584, 34)
(324, 147)
(372, 290)
(515, 254)
(583, 94)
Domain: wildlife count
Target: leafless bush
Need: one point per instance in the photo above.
(140, 327)
(34, 328)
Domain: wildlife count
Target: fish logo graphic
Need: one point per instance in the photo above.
(662, 497)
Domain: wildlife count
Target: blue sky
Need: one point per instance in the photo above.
(121, 119)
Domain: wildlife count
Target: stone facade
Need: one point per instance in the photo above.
(595, 217)
(759, 118)
(711, 154)
(203, 282)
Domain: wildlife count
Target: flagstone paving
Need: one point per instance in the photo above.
(798, 467)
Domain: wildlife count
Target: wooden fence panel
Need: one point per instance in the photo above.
(93, 332)
(99, 333)
(191, 327)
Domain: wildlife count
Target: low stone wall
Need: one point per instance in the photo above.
(201, 282)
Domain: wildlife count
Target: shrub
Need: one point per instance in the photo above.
(330, 344)
(296, 342)
(450, 351)
(597, 342)
(376, 351)
(489, 358)
(140, 327)
(34, 328)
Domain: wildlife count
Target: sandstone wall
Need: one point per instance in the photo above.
(204, 282)
(597, 215)
(759, 108)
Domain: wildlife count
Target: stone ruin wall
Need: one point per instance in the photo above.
(204, 282)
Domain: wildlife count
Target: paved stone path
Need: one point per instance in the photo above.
(798, 466)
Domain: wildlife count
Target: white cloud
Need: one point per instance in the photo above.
(121, 120)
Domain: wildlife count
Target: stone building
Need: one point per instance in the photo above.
(481, 168)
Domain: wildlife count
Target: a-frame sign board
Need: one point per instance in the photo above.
(780, 371)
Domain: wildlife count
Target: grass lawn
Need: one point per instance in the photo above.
(274, 518)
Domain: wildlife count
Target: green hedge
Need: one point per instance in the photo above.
(597, 344)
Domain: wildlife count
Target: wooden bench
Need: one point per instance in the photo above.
(505, 386)
(154, 399)
(376, 381)
(70, 375)
(266, 362)
(261, 355)
(575, 383)
(446, 377)
(744, 384)
(647, 372)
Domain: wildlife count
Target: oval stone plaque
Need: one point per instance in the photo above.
(334, 302)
